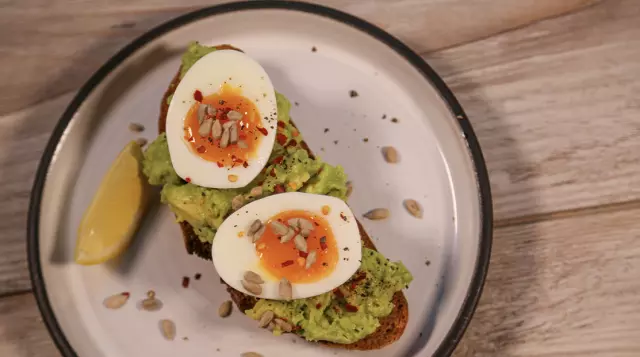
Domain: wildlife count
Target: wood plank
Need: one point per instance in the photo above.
(546, 295)
(561, 288)
(555, 107)
(71, 41)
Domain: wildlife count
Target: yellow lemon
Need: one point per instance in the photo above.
(113, 217)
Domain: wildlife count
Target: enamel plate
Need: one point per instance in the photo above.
(320, 59)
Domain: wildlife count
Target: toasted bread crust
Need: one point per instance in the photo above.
(391, 327)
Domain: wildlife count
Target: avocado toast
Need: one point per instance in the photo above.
(377, 285)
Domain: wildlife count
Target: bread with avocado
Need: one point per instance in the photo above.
(376, 272)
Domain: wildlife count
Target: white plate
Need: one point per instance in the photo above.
(441, 167)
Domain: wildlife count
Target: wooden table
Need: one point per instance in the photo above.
(552, 88)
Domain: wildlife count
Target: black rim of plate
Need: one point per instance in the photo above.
(484, 252)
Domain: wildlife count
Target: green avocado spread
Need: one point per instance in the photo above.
(330, 317)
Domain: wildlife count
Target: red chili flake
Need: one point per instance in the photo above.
(242, 136)
(279, 189)
(292, 142)
(201, 149)
(126, 293)
(281, 124)
(351, 308)
(338, 292)
(188, 179)
(185, 282)
(361, 275)
(318, 305)
(323, 243)
(353, 285)
(197, 95)
(281, 139)
(335, 308)
(286, 263)
(245, 164)
(219, 164)
(198, 276)
(263, 131)
(303, 254)
(273, 172)
(344, 218)
(278, 160)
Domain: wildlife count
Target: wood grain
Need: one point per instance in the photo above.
(22, 332)
(73, 38)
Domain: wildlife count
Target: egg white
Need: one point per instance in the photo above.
(233, 256)
(208, 75)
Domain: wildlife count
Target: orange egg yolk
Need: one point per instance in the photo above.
(283, 260)
(249, 129)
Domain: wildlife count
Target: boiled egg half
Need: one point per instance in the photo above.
(311, 242)
(221, 122)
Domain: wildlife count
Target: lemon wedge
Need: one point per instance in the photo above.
(111, 220)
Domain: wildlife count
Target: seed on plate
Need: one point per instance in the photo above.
(150, 304)
(305, 224)
(288, 236)
(252, 277)
(141, 141)
(279, 228)
(234, 115)
(224, 140)
(377, 214)
(256, 191)
(257, 235)
(413, 207)
(390, 154)
(216, 129)
(233, 134)
(326, 210)
(311, 258)
(253, 288)
(136, 128)
(232, 178)
(301, 243)
(225, 309)
(237, 202)
(251, 354)
(202, 110)
(285, 290)
(205, 128)
(116, 301)
(254, 227)
(284, 326)
(243, 144)
(266, 318)
(168, 329)
(349, 189)
(294, 223)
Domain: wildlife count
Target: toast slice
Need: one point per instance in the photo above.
(391, 327)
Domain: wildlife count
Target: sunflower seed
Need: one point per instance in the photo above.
(224, 140)
(413, 207)
(377, 214)
(266, 318)
(253, 288)
(284, 326)
(279, 228)
(305, 224)
(136, 128)
(205, 128)
(211, 110)
(116, 301)
(257, 235)
(141, 142)
(216, 129)
(233, 115)
(390, 154)
(256, 191)
(202, 110)
(294, 223)
(228, 125)
(237, 202)
(150, 304)
(288, 236)
(252, 277)
(305, 233)
(284, 289)
(254, 227)
(168, 329)
(301, 243)
(349, 188)
(243, 144)
(225, 309)
(251, 354)
(311, 258)
(233, 134)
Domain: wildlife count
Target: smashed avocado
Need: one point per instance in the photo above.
(290, 168)
(344, 317)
